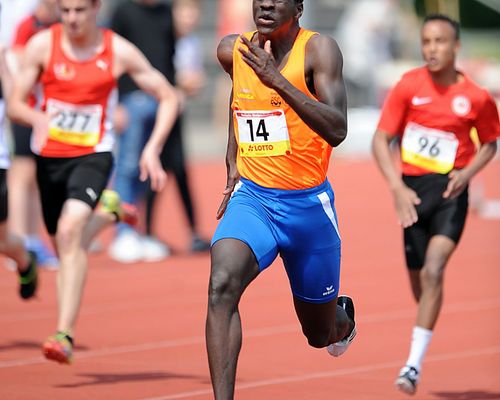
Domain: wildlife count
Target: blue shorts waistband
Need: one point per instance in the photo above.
(272, 192)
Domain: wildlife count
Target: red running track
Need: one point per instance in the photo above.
(140, 333)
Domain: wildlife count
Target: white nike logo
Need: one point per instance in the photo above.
(101, 64)
(419, 101)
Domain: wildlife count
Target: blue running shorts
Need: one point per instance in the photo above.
(299, 225)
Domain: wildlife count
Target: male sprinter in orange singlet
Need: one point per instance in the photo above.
(77, 65)
(288, 108)
(432, 110)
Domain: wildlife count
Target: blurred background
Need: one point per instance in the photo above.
(379, 40)
(157, 310)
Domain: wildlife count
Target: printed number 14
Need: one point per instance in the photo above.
(261, 129)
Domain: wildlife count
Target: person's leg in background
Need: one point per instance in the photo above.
(127, 246)
(13, 247)
(25, 215)
(68, 210)
(153, 248)
(174, 161)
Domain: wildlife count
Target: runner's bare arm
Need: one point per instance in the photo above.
(225, 56)
(323, 69)
(130, 60)
(225, 53)
(459, 179)
(35, 56)
(383, 156)
(34, 60)
(150, 80)
(405, 198)
(232, 174)
(5, 76)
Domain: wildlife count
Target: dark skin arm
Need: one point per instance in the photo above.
(323, 66)
(225, 56)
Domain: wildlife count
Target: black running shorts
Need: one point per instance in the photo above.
(22, 140)
(82, 178)
(4, 196)
(436, 216)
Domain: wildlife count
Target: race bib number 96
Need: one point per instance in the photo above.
(431, 149)
(262, 133)
(74, 124)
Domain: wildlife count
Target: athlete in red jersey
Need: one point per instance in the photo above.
(432, 111)
(45, 14)
(77, 64)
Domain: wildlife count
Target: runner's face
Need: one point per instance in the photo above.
(273, 15)
(439, 45)
(79, 17)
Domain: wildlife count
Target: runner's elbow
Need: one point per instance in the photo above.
(338, 137)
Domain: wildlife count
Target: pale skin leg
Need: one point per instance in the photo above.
(76, 227)
(24, 215)
(427, 284)
(13, 247)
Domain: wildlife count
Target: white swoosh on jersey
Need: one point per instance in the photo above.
(419, 101)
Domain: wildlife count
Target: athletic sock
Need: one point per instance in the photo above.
(420, 341)
(70, 339)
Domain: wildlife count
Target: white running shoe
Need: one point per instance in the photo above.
(127, 248)
(340, 347)
(154, 249)
(407, 380)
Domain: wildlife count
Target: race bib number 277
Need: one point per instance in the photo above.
(74, 124)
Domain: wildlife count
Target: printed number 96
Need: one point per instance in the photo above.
(424, 143)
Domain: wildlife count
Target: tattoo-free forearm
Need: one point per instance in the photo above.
(382, 154)
(232, 145)
(484, 155)
(327, 121)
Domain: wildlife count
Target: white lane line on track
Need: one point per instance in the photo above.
(147, 346)
(112, 308)
(329, 374)
(370, 318)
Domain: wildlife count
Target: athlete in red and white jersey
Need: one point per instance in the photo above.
(432, 111)
(81, 97)
(425, 114)
(78, 64)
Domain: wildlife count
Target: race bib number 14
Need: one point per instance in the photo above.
(262, 133)
(431, 149)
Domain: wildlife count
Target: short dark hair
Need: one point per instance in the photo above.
(441, 17)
